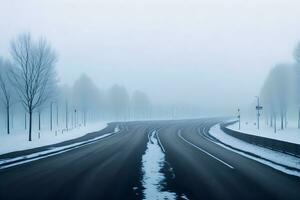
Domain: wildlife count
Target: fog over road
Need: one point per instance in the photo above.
(112, 167)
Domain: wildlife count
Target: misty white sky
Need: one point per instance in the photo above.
(208, 52)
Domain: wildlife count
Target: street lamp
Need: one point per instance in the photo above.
(75, 117)
(258, 108)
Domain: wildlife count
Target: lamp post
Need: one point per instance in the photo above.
(75, 117)
(239, 118)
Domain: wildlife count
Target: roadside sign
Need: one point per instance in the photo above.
(259, 107)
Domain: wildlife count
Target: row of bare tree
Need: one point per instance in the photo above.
(280, 91)
(29, 77)
(28, 80)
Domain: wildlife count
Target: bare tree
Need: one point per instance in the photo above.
(277, 93)
(6, 89)
(34, 75)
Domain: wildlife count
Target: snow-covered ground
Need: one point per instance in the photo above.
(268, 157)
(290, 134)
(153, 161)
(18, 140)
(9, 162)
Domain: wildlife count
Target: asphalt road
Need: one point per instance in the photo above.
(111, 168)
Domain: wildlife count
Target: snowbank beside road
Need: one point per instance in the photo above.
(280, 161)
(19, 141)
(290, 134)
(10, 162)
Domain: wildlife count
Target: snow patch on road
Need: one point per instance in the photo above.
(153, 161)
(184, 197)
(273, 156)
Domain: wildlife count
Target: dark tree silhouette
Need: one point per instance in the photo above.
(6, 90)
(34, 73)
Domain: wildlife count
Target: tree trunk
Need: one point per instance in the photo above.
(39, 124)
(51, 116)
(66, 115)
(275, 124)
(285, 121)
(271, 123)
(30, 124)
(281, 120)
(25, 121)
(7, 121)
(39, 121)
(12, 120)
(57, 115)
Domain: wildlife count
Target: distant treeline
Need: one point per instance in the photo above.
(281, 92)
(114, 103)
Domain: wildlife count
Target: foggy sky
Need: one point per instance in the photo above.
(210, 53)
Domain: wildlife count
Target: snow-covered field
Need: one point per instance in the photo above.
(271, 158)
(290, 134)
(9, 162)
(18, 140)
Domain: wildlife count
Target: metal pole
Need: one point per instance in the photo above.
(258, 108)
(39, 134)
(239, 117)
(51, 116)
(56, 114)
(275, 121)
(75, 117)
(258, 114)
(39, 120)
(67, 115)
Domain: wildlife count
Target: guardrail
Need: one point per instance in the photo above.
(277, 145)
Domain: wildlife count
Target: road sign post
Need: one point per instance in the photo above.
(258, 108)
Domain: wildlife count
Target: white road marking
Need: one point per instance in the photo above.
(218, 159)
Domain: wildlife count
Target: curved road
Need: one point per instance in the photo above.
(111, 168)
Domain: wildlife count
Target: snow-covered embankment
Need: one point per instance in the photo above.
(277, 160)
(10, 162)
(18, 141)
